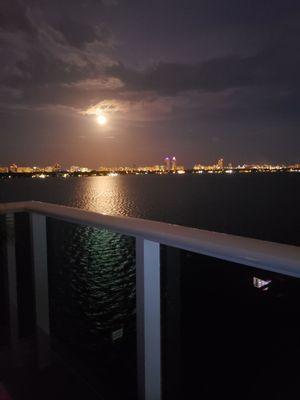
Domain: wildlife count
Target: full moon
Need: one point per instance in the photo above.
(102, 120)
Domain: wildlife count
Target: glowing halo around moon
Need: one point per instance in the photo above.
(102, 120)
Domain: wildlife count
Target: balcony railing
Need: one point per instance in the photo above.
(279, 258)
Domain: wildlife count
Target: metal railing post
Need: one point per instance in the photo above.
(148, 319)
(40, 271)
(12, 287)
(172, 322)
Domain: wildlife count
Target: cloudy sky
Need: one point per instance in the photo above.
(198, 79)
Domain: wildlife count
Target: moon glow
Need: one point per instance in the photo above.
(102, 120)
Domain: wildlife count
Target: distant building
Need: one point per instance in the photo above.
(38, 169)
(220, 163)
(56, 167)
(116, 169)
(158, 168)
(104, 169)
(167, 164)
(49, 169)
(13, 168)
(216, 167)
(295, 166)
(198, 167)
(24, 170)
(3, 170)
(173, 164)
(75, 168)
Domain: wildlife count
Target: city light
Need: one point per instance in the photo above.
(168, 165)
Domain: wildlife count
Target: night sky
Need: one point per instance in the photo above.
(199, 79)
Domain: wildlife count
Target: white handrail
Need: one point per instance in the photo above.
(276, 257)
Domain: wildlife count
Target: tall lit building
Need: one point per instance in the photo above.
(13, 168)
(173, 164)
(220, 163)
(56, 167)
(167, 164)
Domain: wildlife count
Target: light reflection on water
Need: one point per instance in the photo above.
(106, 195)
(92, 296)
(92, 275)
(93, 272)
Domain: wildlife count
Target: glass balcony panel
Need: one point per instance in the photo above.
(91, 350)
(92, 304)
(25, 282)
(228, 331)
(3, 301)
(19, 233)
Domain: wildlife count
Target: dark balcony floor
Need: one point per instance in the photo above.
(29, 382)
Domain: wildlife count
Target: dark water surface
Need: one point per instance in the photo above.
(264, 206)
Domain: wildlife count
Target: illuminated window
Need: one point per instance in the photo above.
(261, 284)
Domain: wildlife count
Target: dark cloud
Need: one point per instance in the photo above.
(277, 65)
(78, 33)
(42, 46)
(171, 78)
(13, 16)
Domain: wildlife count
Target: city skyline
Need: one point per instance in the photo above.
(168, 164)
(126, 81)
